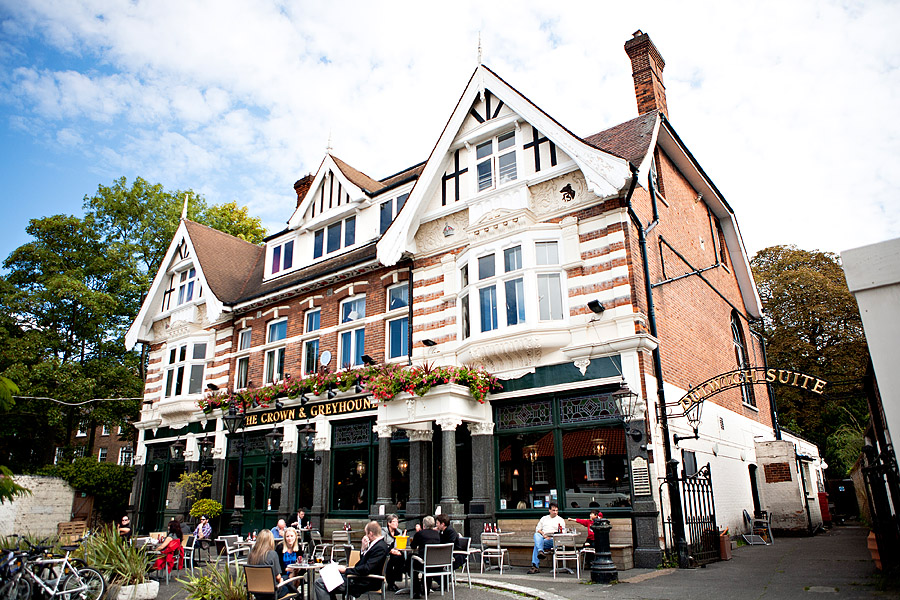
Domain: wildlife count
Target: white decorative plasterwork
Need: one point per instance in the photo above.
(500, 222)
(420, 435)
(430, 235)
(509, 358)
(480, 428)
(549, 196)
(383, 430)
(582, 364)
(411, 408)
(449, 423)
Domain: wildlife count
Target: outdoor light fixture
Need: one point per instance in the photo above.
(429, 343)
(360, 468)
(515, 472)
(212, 387)
(531, 453)
(367, 360)
(358, 388)
(331, 393)
(273, 440)
(596, 307)
(176, 450)
(233, 420)
(629, 408)
(599, 447)
(402, 466)
(693, 417)
(303, 399)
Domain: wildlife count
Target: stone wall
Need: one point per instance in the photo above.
(37, 514)
(780, 486)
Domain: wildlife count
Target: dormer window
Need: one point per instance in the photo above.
(184, 286)
(334, 237)
(390, 210)
(282, 257)
(496, 161)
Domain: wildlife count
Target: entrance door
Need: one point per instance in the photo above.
(255, 497)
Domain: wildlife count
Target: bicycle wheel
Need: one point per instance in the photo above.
(23, 589)
(89, 583)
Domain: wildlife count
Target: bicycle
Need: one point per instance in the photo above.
(70, 583)
(12, 585)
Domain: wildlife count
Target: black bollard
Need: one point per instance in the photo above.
(603, 569)
(237, 522)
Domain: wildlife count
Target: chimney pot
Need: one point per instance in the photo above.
(647, 66)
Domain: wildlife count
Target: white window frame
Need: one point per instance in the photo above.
(82, 429)
(126, 450)
(276, 354)
(308, 367)
(493, 159)
(102, 454)
(244, 342)
(59, 454)
(185, 282)
(184, 364)
(593, 468)
(350, 329)
(395, 315)
(105, 430)
(78, 452)
(283, 249)
(342, 236)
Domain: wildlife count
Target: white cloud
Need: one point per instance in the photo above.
(785, 104)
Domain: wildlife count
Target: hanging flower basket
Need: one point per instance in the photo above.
(384, 382)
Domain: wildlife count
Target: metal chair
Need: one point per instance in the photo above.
(319, 545)
(261, 583)
(564, 550)
(340, 542)
(467, 552)
(189, 548)
(760, 529)
(585, 552)
(224, 547)
(437, 561)
(383, 577)
(491, 549)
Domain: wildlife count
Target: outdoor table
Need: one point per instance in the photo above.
(309, 569)
(406, 552)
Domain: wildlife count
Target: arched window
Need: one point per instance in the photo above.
(743, 359)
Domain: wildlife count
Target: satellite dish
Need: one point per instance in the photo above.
(325, 358)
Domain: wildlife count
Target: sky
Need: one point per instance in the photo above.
(788, 106)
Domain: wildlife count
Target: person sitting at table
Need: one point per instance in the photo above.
(587, 523)
(396, 562)
(427, 535)
(124, 528)
(302, 526)
(263, 553)
(449, 536)
(289, 547)
(278, 530)
(371, 562)
(543, 536)
(169, 547)
(203, 531)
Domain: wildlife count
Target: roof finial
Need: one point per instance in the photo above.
(479, 48)
(184, 208)
(328, 148)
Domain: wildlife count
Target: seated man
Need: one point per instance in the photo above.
(543, 536)
(371, 562)
(125, 528)
(427, 535)
(278, 530)
(449, 536)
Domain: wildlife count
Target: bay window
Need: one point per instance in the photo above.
(275, 332)
(398, 329)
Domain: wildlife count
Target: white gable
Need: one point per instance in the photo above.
(331, 193)
(490, 118)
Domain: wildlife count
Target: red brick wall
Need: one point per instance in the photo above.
(777, 472)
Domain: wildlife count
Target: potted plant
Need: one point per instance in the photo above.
(207, 507)
(217, 584)
(123, 565)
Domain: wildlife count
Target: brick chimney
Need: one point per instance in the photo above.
(301, 186)
(647, 65)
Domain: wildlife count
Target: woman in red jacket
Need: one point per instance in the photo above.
(169, 547)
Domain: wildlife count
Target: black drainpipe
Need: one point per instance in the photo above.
(773, 407)
(671, 464)
(409, 320)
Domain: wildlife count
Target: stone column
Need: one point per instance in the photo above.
(383, 492)
(420, 473)
(647, 554)
(449, 499)
(482, 508)
(322, 481)
(289, 473)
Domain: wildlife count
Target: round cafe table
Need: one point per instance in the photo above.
(308, 569)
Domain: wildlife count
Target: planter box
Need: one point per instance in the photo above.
(141, 591)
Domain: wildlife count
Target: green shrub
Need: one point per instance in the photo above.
(207, 507)
(218, 584)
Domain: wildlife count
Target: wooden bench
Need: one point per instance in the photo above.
(70, 532)
(519, 540)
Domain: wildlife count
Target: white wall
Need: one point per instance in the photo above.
(38, 514)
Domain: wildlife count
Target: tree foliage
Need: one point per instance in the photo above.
(67, 299)
(812, 324)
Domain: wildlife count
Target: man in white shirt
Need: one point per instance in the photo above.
(543, 536)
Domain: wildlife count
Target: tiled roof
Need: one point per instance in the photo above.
(629, 140)
(410, 173)
(358, 178)
(227, 261)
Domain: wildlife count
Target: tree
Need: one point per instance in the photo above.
(67, 300)
(109, 484)
(813, 325)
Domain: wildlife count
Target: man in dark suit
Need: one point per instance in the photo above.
(449, 536)
(428, 535)
(371, 562)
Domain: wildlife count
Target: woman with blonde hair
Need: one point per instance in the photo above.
(263, 553)
(290, 547)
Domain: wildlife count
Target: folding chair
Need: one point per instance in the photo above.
(437, 562)
(319, 545)
(491, 549)
(261, 583)
(564, 550)
(467, 552)
(760, 530)
(224, 548)
(340, 542)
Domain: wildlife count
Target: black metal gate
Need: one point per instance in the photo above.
(700, 516)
